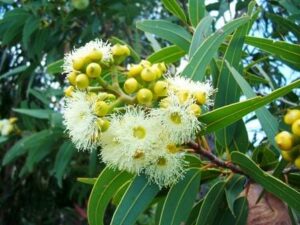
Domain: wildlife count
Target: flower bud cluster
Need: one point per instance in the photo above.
(139, 115)
(289, 142)
(8, 126)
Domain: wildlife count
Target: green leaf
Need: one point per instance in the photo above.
(194, 213)
(266, 119)
(136, 199)
(105, 187)
(233, 190)
(210, 204)
(285, 24)
(225, 217)
(13, 71)
(267, 181)
(55, 67)
(86, 180)
(37, 113)
(226, 84)
(22, 146)
(168, 54)
(229, 114)
(167, 30)
(196, 11)
(180, 199)
(31, 25)
(193, 160)
(240, 141)
(3, 139)
(287, 52)
(208, 49)
(203, 30)
(209, 174)
(62, 159)
(174, 7)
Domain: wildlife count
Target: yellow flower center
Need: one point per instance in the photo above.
(138, 154)
(161, 161)
(175, 118)
(139, 132)
(171, 148)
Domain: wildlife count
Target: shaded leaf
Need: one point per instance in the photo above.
(180, 199)
(168, 54)
(203, 55)
(106, 185)
(174, 7)
(135, 200)
(196, 11)
(227, 115)
(267, 181)
(167, 30)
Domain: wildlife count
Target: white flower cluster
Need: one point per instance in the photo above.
(148, 134)
(149, 141)
(7, 126)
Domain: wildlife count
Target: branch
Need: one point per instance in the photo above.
(215, 159)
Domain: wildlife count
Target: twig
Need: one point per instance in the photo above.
(290, 170)
(215, 159)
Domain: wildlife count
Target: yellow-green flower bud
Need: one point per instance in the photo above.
(160, 88)
(200, 97)
(95, 55)
(145, 63)
(13, 120)
(103, 124)
(195, 109)
(296, 127)
(134, 70)
(162, 66)
(183, 96)
(164, 103)
(82, 81)
(78, 63)
(144, 96)
(111, 97)
(120, 50)
(72, 78)
(284, 140)
(297, 162)
(93, 70)
(148, 74)
(69, 91)
(130, 85)
(156, 69)
(101, 108)
(290, 156)
(291, 116)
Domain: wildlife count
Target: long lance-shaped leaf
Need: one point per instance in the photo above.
(266, 119)
(269, 182)
(229, 114)
(196, 11)
(168, 54)
(287, 52)
(135, 200)
(197, 65)
(180, 199)
(167, 30)
(203, 30)
(105, 187)
(174, 7)
(228, 89)
(211, 204)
